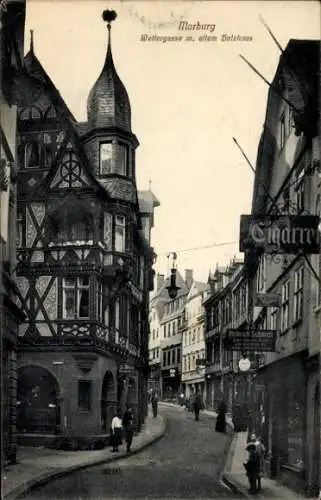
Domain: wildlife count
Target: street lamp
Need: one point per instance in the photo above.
(172, 288)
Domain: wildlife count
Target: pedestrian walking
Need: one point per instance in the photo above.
(116, 431)
(154, 404)
(197, 406)
(128, 425)
(221, 419)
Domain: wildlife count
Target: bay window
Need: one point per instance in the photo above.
(76, 298)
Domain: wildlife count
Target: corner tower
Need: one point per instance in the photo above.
(107, 134)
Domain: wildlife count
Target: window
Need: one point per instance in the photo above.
(290, 120)
(120, 233)
(117, 320)
(299, 191)
(168, 357)
(84, 395)
(169, 330)
(122, 159)
(174, 327)
(19, 224)
(164, 331)
(298, 294)
(32, 157)
(285, 306)
(282, 131)
(107, 154)
(173, 356)
(178, 355)
(153, 334)
(76, 298)
(273, 318)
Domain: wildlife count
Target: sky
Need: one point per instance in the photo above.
(188, 100)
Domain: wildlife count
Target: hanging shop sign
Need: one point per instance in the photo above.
(244, 364)
(280, 234)
(249, 341)
(267, 300)
(125, 369)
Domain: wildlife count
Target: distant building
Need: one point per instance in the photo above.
(12, 22)
(225, 308)
(193, 341)
(172, 319)
(157, 303)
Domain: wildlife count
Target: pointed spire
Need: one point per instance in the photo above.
(108, 102)
(31, 42)
(109, 16)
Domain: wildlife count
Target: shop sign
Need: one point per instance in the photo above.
(125, 369)
(280, 234)
(267, 300)
(256, 340)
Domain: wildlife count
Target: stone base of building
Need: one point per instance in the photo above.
(64, 442)
(74, 393)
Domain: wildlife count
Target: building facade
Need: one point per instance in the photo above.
(286, 388)
(193, 342)
(12, 20)
(225, 308)
(173, 318)
(84, 259)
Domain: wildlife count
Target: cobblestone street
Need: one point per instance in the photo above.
(186, 463)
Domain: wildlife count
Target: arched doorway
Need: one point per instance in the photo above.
(38, 407)
(108, 401)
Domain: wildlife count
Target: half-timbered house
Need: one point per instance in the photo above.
(85, 261)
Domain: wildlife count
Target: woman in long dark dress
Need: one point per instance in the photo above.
(221, 420)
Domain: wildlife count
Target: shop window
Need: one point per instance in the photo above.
(84, 395)
(298, 294)
(120, 233)
(76, 298)
(295, 426)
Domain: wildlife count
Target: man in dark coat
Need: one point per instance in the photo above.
(197, 406)
(154, 404)
(128, 425)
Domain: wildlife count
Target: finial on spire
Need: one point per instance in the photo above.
(31, 40)
(109, 16)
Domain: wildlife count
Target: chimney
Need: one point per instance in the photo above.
(189, 277)
(160, 280)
